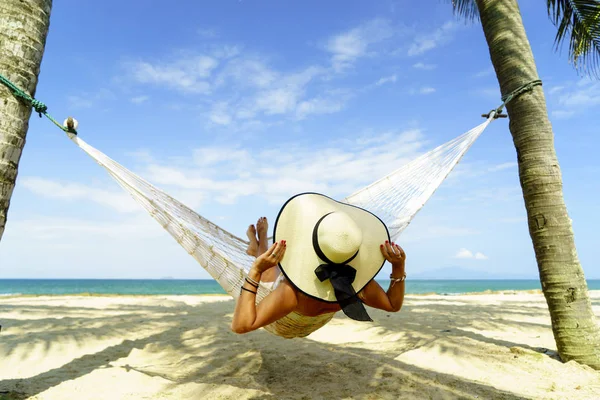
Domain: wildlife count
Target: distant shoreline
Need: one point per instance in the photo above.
(483, 293)
(210, 287)
(210, 279)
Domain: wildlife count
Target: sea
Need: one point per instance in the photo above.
(12, 287)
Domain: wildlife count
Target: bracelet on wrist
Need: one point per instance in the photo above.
(252, 282)
(394, 280)
(247, 290)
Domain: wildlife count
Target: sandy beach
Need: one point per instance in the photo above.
(484, 346)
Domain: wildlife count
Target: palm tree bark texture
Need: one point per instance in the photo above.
(23, 30)
(574, 325)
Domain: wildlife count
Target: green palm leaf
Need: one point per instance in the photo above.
(578, 22)
(466, 9)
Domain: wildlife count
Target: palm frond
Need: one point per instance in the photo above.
(578, 21)
(466, 9)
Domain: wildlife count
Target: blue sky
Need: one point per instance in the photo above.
(234, 106)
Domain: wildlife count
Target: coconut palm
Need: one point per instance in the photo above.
(23, 30)
(574, 325)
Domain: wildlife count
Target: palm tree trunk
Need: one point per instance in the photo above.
(574, 325)
(23, 30)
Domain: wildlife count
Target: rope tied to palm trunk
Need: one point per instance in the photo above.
(518, 91)
(38, 106)
(497, 112)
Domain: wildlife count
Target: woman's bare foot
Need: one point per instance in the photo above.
(262, 227)
(252, 249)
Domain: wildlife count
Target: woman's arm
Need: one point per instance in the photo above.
(248, 316)
(373, 294)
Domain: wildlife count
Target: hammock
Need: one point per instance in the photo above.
(395, 199)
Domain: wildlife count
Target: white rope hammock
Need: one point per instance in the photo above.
(395, 198)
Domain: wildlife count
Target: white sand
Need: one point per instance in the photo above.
(180, 347)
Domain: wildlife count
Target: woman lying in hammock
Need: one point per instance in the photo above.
(323, 260)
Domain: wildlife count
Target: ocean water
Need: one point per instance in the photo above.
(205, 286)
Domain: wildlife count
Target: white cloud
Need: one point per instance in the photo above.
(585, 94)
(426, 67)
(467, 171)
(214, 155)
(89, 100)
(468, 254)
(277, 101)
(575, 98)
(502, 166)
(496, 194)
(187, 73)
(219, 114)
(227, 173)
(55, 228)
(141, 155)
(347, 47)
(486, 72)
(555, 89)
(425, 90)
(248, 71)
(80, 102)
(464, 253)
(513, 220)
(117, 200)
(319, 105)
(490, 92)
(248, 92)
(430, 41)
(387, 79)
(562, 114)
(207, 33)
(139, 99)
(275, 94)
(432, 232)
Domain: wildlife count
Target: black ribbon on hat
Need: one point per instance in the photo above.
(341, 276)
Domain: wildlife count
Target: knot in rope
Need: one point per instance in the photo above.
(37, 105)
(520, 90)
(510, 96)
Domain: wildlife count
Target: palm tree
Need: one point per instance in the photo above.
(23, 30)
(574, 325)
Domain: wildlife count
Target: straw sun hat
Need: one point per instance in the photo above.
(332, 249)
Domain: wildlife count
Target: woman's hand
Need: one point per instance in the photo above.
(393, 253)
(270, 258)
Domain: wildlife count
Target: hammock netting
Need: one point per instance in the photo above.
(395, 199)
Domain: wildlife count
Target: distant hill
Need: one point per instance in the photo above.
(465, 273)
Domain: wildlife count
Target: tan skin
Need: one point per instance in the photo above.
(249, 316)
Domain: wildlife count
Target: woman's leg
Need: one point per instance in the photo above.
(252, 249)
(262, 228)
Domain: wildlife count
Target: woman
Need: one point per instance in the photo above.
(341, 241)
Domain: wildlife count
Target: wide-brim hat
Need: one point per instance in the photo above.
(333, 249)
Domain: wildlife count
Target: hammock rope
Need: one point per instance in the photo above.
(395, 199)
(37, 105)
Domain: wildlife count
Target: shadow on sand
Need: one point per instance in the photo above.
(192, 344)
